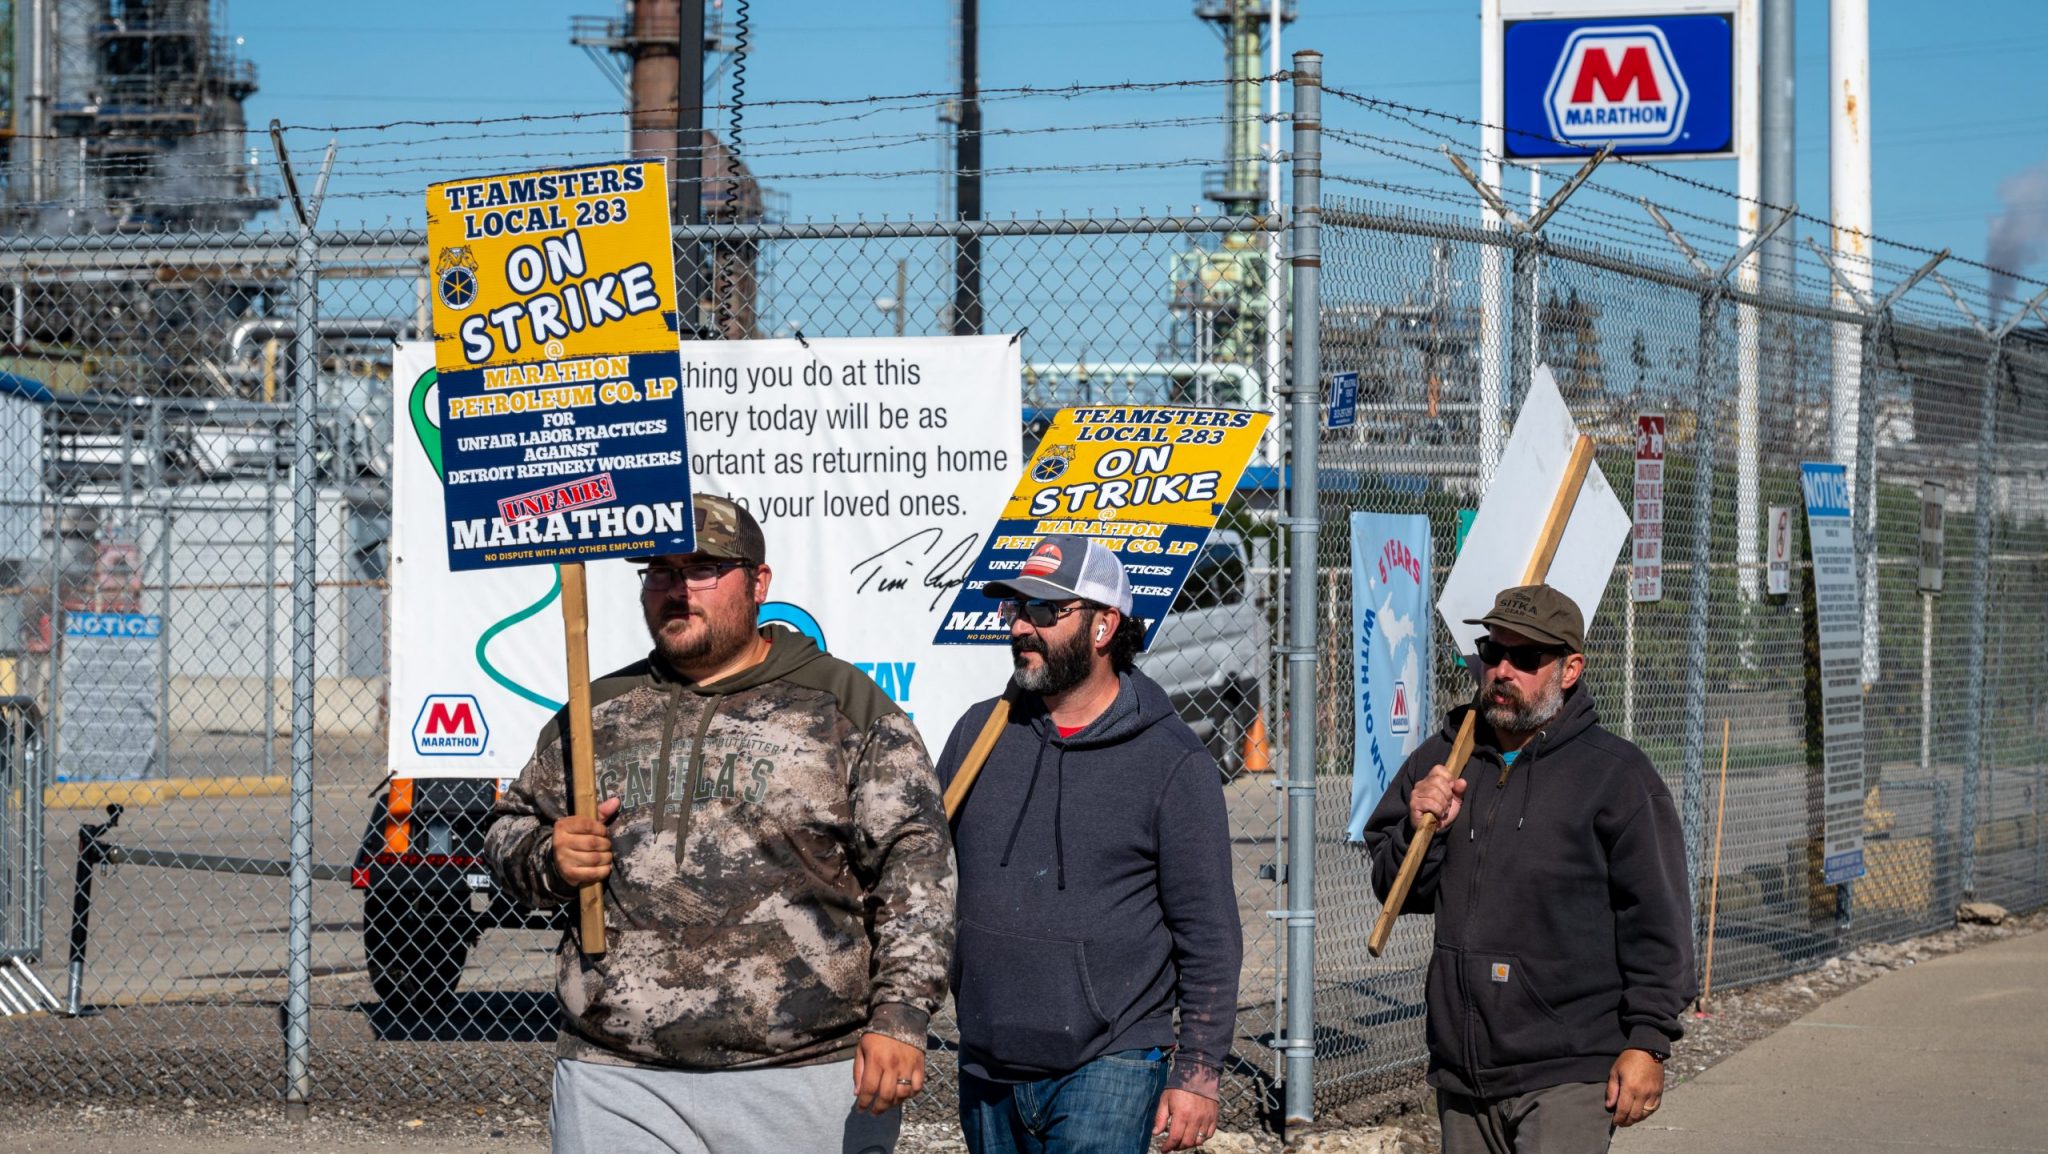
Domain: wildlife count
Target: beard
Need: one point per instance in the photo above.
(1520, 714)
(1064, 666)
(722, 632)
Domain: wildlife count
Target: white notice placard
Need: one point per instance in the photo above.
(1838, 618)
(1933, 527)
(1778, 565)
(1646, 568)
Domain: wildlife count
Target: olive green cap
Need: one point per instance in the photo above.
(1539, 613)
(727, 531)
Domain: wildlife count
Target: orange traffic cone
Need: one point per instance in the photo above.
(1257, 758)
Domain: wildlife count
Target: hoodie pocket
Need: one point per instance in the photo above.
(1026, 1001)
(1515, 1023)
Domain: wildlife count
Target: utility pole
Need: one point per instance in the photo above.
(666, 48)
(1849, 208)
(1776, 264)
(1776, 184)
(967, 175)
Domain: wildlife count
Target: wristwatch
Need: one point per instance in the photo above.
(1656, 1055)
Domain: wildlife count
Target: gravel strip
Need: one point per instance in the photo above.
(1400, 1121)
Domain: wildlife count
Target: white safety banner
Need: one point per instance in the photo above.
(873, 465)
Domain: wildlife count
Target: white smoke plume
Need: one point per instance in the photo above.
(2019, 235)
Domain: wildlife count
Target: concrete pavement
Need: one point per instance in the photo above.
(1951, 1054)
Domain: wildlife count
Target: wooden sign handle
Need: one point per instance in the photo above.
(582, 772)
(977, 754)
(1561, 506)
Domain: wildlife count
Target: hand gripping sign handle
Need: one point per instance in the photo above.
(582, 774)
(977, 754)
(1461, 749)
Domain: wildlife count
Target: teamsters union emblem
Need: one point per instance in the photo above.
(455, 274)
(1052, 463)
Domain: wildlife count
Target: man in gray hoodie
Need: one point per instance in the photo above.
(1095, 886)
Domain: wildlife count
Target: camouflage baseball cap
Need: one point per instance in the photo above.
(727, 531)
(1540, 613)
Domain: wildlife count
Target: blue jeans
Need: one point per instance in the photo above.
(1105, 1107)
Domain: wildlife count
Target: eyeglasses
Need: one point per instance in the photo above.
(1527, 658)
(700, 576)
(1041, 614)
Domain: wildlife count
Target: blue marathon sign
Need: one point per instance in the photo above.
(1649, 85)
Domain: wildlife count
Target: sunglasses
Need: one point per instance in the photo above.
(1527, 658)
(1041, 614)
(700, 576)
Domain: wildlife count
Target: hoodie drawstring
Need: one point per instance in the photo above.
(1030, 788)
(1529, 790)
(711, 705)
(1059, 791)
(1059, 809)
(661, 767)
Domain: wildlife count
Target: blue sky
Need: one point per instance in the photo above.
(1955, 102)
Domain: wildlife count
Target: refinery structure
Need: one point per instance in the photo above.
(126, 117)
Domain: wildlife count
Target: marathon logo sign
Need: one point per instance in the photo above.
(450, 725)
(1619, 84)
(1649, 85)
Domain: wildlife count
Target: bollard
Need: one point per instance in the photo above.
(90, 854)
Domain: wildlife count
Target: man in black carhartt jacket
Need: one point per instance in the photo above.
(1563, 935)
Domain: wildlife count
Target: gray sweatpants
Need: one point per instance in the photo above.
(1567, 1119)
(601, 1109)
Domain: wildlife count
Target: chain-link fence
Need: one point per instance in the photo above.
(195, 535)
(1401, 305)
(158, 568)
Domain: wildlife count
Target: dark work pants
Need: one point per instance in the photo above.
(1567, 1119)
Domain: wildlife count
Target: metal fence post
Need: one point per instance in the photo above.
(1523, 322)
(1980, 608)
(163, 640)
(1863, 505)
(1706, 432)
(305, 560)
(1304, 428)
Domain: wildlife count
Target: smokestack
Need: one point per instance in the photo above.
(2018, 236)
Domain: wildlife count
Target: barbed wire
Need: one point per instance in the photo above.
(1408, 112)
(908, 101)
(408, 140)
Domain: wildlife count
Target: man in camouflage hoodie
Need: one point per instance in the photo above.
(778, 881)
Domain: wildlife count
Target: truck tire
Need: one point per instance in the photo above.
(415, 951)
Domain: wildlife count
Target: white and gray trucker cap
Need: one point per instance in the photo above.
(1064, 567)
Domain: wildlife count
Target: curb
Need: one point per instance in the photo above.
(95, 794)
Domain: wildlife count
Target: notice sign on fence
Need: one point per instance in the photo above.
(1342, 412)
(1778, 565)
(1933, 527)
(1148, 481)
(561, 427)
(1646, 572)
(1838, 617)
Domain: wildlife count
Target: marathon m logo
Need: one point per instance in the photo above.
(443, 718)
(1616, 83)
(450, 725)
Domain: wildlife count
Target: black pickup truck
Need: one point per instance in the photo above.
(427, 895)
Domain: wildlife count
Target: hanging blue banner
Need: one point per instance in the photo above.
(1391, 625)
